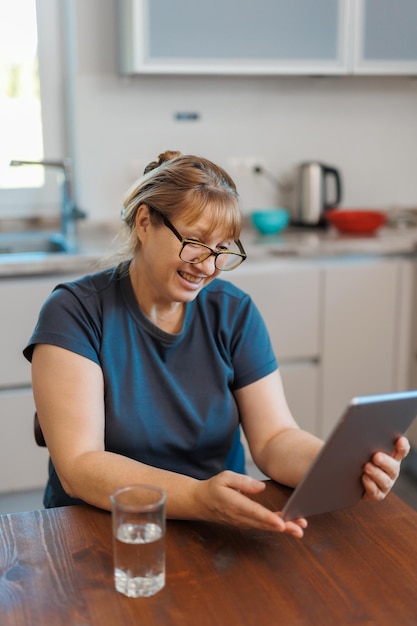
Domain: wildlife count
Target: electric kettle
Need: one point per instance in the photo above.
(313, 193)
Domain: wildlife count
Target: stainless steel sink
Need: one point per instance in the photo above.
(33, 243)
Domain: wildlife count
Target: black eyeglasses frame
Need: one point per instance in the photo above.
(184, 241)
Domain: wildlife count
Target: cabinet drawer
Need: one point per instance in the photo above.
(21, 300)
(288, 299)
(23, 464)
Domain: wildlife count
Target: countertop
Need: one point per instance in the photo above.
(293, 245)
(93, 243)
(323, 243)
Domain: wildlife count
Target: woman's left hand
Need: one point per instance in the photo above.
(380, 474)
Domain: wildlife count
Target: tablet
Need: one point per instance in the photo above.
(333, 481)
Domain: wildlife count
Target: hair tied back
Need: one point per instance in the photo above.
(168, 155)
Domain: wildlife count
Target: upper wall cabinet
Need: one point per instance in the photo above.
(234, 36)
(385, 37)
(268, 37)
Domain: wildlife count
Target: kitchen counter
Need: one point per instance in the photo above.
(317, 243)
(293, 244)
(93, 243)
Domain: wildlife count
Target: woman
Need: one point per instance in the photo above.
(144, 372)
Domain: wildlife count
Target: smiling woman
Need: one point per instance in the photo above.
(147, 371)
(31, 103)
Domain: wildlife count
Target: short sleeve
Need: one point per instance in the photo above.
(252, 351)
(67, 322)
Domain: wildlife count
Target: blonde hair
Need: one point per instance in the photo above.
(180, 185)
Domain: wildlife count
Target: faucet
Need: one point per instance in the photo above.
(69, 212)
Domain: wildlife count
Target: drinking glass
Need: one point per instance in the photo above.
(138, 517)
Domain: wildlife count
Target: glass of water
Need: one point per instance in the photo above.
(138, 516)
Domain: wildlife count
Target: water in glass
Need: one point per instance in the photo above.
(139, 559)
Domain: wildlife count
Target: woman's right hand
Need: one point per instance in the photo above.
(224, 498)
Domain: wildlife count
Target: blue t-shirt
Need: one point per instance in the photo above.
(168, 397)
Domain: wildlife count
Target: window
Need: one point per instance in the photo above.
(31, 104)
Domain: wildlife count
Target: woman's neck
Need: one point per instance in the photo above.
(168, 316)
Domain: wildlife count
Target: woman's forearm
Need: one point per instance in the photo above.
(288, 455)
(94, 476)
(224, 498)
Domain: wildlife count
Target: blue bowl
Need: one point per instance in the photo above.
(270, 221)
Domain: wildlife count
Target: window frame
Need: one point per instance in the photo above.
(52, 55)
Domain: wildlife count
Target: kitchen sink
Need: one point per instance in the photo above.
(33, 243)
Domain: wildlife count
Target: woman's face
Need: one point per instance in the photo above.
(168, 277)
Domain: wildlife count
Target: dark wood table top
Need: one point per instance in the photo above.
(357, 566)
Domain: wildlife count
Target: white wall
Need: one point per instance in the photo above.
(367, 127)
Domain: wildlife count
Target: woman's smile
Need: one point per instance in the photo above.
(191, 279)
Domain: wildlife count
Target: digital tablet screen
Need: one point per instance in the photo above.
(369, 424)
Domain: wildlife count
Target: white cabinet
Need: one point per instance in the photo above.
(366, 332)
(384, 37)
(288, 297)
(233, 36)
(21, 300)
(274, 37)
(23, 464)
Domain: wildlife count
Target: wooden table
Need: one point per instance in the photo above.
(353, 567)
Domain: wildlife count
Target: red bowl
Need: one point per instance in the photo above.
(356, 222)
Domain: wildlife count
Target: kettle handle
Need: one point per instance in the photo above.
(331, 171)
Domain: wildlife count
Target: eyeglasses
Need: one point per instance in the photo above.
(193, 251)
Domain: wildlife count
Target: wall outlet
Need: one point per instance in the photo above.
(245, 166)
